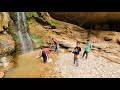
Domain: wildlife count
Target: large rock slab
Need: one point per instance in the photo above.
(7, 44)
(65, 43)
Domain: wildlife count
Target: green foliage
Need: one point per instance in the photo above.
(40, 19)
(15, 37)
(30, 15)
(53, 24)
(13, 16)
(37, 39)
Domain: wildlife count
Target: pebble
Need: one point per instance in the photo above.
(95, 67)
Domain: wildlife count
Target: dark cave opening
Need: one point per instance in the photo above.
(110, 26)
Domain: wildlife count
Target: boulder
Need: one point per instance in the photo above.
(7, 44)
(7, 62)
(66, 43)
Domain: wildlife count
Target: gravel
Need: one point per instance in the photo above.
(93, 67)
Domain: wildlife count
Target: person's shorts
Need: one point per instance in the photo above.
(76, 59)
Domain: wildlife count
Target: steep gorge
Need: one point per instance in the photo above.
(37, 29)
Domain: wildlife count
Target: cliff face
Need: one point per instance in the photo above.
(4, 19)
(7, 44)
(86, 19)
(89, 17)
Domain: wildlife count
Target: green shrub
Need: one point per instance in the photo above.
(52, 24)
(37, 39)
(40, 19)
(29, 15)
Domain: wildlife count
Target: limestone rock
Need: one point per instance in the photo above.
(67, 44)
(7, 62)
(7, 44)
(4, 19)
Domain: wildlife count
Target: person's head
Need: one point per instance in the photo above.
(78, 43)
(87, 41)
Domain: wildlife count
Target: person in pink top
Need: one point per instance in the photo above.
(45, 54)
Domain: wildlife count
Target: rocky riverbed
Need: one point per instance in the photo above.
(93, 67)
(96, 66)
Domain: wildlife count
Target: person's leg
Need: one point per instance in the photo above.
(86, 55)
(58, 49)
(74, 59)
(83, 54)
(44, 56)
(45, 60)
(55, 48)
(77, 62)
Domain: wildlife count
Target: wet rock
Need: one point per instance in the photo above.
(6, 62)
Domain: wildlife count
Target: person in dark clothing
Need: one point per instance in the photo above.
(76, 52)
(45, 54)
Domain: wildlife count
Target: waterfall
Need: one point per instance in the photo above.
(22, 29)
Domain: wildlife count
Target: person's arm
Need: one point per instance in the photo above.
(73, 50)
(91, 45)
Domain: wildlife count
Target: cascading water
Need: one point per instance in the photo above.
(24, 37)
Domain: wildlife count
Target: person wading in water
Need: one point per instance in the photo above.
(45, 54)
(56, 43)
